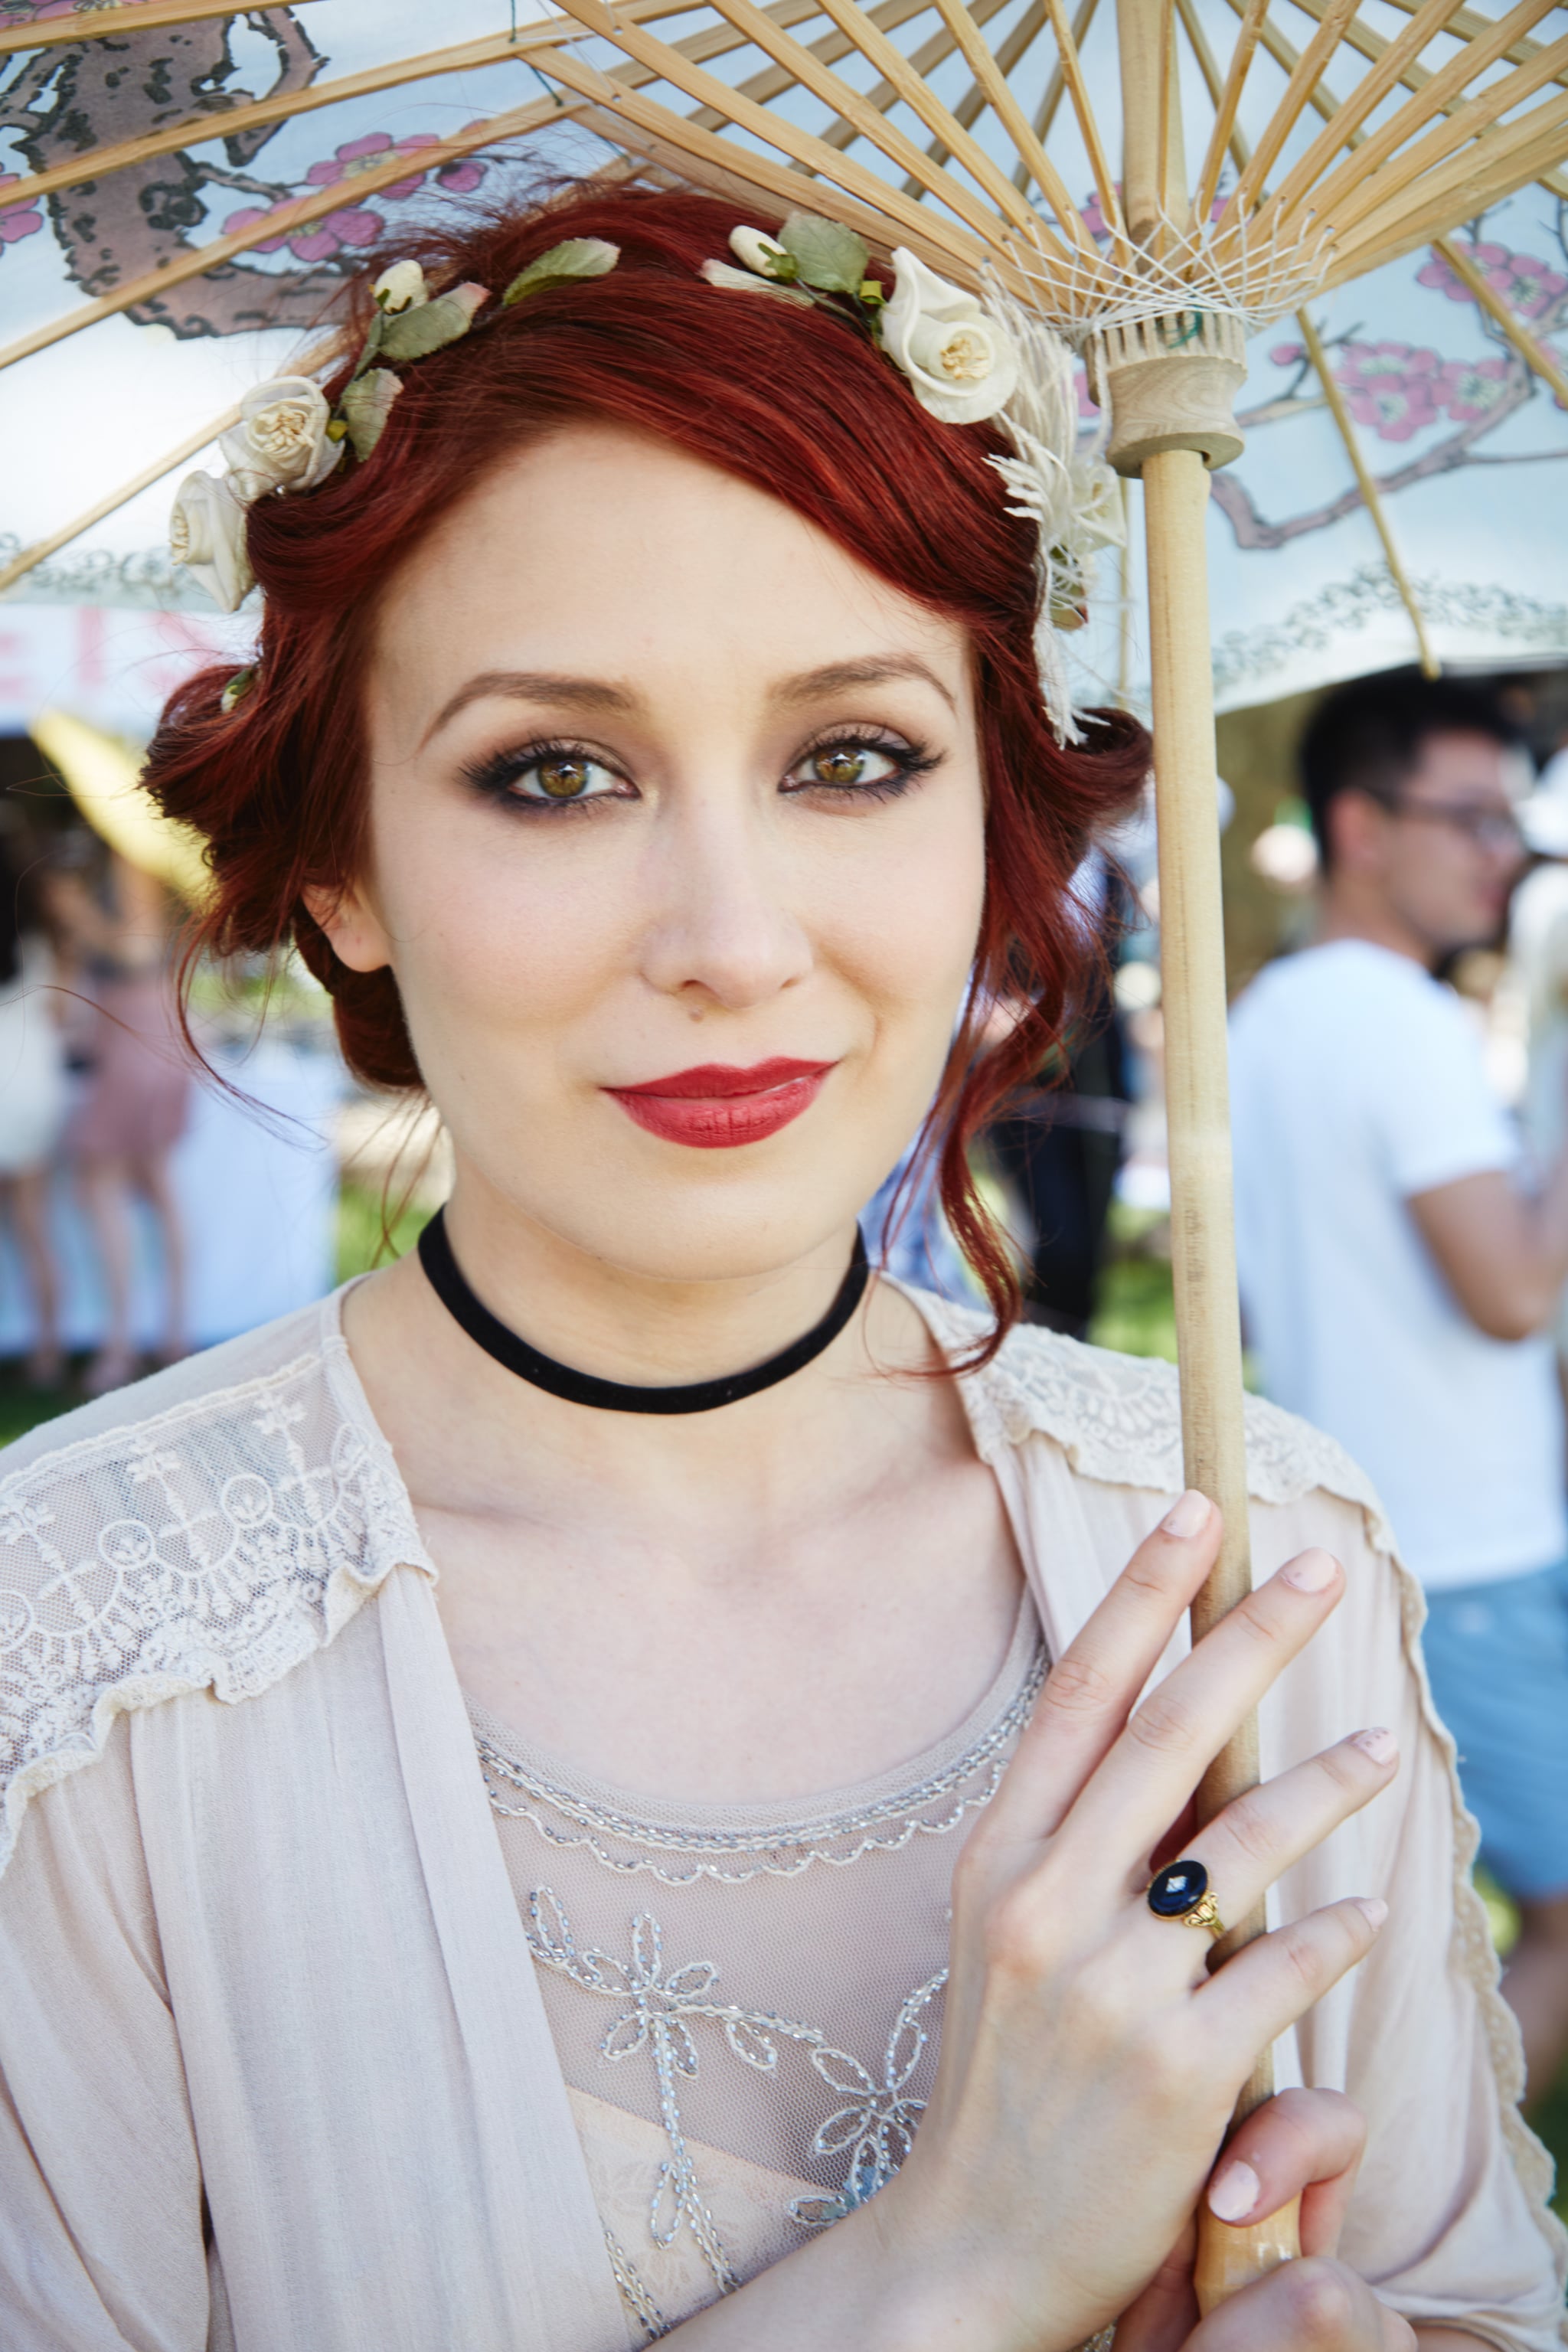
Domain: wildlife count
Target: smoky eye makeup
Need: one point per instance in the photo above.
(859, 763)
(548, 775)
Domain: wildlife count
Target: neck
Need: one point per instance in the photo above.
(500, 1437)
(1349, 910)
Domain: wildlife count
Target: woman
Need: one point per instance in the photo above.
(32, 1096)
(646, 747)
(136, 1103)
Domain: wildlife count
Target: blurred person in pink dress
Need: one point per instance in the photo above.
(136, 1103)
(33, 1097)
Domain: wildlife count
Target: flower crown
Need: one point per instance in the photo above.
(966, 361)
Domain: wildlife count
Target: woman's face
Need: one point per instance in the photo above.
(676, 851)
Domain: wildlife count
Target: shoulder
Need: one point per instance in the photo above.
(204, 1530)
(1117, 1418)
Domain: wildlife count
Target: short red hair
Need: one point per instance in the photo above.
(787, 398)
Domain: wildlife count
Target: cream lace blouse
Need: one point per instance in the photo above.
(332, 2016)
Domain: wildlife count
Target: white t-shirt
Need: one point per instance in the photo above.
(1357, 1080)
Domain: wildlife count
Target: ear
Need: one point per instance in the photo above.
(352, 929)
(1358, 827)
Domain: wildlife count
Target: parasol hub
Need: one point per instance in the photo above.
(1169, 383)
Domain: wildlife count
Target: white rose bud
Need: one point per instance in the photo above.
(401, 287)
(961, 364)
(759, 252)
(745, 281)
(281, 440)
(206, 534)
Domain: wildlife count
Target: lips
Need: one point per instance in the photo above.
(715, 1107)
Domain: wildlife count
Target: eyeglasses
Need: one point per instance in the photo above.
(1484, 826)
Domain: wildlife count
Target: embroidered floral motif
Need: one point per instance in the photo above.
(658, 2010)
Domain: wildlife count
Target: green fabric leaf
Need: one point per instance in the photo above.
(579, 257)
(412, 334)
(367, 405)
(828, 255)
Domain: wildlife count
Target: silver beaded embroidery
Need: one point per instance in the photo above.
(783, 1850)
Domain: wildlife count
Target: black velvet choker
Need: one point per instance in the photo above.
(446, 1280)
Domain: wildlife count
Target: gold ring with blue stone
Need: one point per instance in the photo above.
(1181, 1891)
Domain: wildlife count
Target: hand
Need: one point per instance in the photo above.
(1089, 2062)
(1306, 2143)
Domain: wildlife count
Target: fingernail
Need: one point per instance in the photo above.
(1235, 2193)
(1381, 1745)
(1376, 1912)
(1189, 1517)
(1310, 1573)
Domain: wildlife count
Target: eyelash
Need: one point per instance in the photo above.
(495, 775)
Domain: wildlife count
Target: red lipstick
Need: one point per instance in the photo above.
(716, 1107)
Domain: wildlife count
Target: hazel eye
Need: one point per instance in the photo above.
(847, 765)
(563, 776)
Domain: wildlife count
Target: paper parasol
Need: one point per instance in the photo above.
(1329, 138)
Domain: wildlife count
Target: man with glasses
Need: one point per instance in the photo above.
(1400, 1277)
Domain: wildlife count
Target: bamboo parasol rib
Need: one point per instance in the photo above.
(103, 24)
(191, 446)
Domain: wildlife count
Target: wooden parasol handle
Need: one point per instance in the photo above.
(1203, 1250)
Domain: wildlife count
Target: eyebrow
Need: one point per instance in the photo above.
(531, 686)
(597, 695)
(813, 684)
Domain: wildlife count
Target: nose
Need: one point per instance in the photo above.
(724, 934)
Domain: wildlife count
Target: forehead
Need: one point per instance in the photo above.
(1477, 766)
(601, 548)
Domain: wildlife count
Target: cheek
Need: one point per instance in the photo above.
(491, 937)
(903, 928)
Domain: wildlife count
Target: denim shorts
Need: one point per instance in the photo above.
(1498, 1658)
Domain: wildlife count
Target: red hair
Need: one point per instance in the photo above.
(791, 400)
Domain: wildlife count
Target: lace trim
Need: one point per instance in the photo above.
(783, 1850)
(188, 1574)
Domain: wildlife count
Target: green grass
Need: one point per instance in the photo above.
(1135, 1314)
(369, 1233)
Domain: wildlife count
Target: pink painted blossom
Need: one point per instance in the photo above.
(1470, 389)
(354, 225)
(1287, 355)
(1390, 387)
(1528, 285)
(1087, 408)
(17, 221)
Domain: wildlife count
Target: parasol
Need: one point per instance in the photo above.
(1329, 139)
(1271, 155)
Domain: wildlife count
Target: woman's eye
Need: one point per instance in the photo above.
(847, 765)
(563, 776)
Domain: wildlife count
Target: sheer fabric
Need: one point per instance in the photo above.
(745, 2001)
(275, 2064)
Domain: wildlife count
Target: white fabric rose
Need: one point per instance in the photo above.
(755, 250)
(962, 365)
(281, 439)
(206, 534)
(401, 287)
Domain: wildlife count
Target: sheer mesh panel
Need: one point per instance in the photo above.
(746, 2001)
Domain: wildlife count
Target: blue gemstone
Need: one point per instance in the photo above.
(1178, 1888)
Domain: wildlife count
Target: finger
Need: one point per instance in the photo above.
(1086, 1698)
(1268, 1985)
(1316, 2302)
(1151, 1770)
(1162, 2318)
(1305, 2144)
(1259, 1836)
